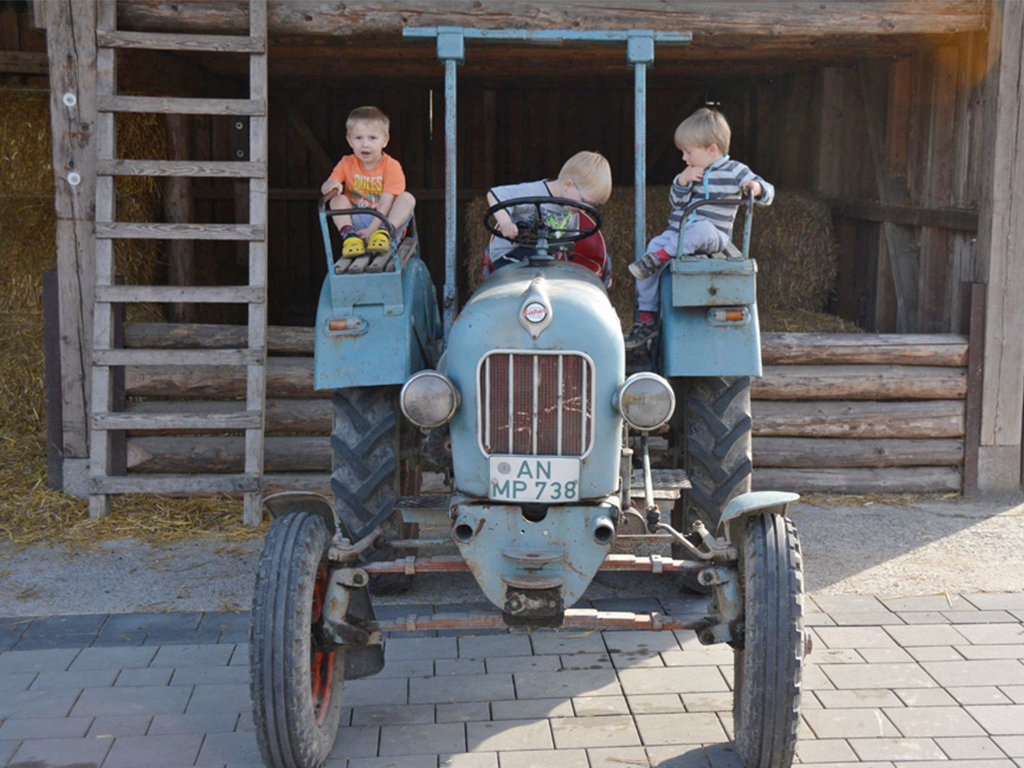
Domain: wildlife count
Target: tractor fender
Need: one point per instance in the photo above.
(758, 502)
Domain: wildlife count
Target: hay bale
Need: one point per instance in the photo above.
(793, 242)
(25, 158)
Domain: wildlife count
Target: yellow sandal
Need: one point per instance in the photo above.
(353, 245)
(379, 242)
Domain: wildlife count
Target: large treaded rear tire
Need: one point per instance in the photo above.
(768, 661)
(716, 441)
(296, 716)
(365, 478)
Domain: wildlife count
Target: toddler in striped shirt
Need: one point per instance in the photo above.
(710, 174)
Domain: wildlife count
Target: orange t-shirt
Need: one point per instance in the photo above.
(364, 187)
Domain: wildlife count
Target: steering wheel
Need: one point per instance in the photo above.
(530, 234)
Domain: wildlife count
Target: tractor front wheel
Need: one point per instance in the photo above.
(295, 674)
(770, 652)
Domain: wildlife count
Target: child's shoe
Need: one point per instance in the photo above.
(643, 330)
(649, 264)
(379, 242)
(352, 245)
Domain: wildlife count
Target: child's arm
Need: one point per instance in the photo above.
(763, 192)
(505, 224)
(680, 193)
(329, 184)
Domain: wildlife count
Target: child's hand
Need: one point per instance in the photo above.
(330, 184)
(509, 229)
(754, 187)
(364, 234)
(690, 174)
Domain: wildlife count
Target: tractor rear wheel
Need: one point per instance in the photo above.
(295, 673)
(365, 477)
(716, 451)
(769, 655)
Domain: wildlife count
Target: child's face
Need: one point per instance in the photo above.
(701, 157)
(367, 140)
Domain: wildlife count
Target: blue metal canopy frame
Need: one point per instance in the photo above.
(451, 51)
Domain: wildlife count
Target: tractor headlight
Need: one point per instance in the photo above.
(429, 399)
(646, 401)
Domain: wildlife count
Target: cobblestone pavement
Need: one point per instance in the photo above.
(926, 682)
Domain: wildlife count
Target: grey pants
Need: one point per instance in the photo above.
(700, 236)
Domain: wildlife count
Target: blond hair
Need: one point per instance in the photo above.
(367, 115)
(590, 172)
(702, 129)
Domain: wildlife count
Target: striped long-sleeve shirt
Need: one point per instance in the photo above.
(723, 180)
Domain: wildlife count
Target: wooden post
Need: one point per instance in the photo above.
(71, 45)
(51, 348)
(1000, 232)
(178, 207)
(975, 386)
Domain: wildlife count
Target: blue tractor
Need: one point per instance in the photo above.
(524, 400)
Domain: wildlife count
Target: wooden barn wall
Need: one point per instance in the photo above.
(22, 49)
(929, 144)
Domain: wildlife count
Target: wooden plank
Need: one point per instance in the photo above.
(281, 340)
(179, 208)
(862, 420)
(209, 169)
(256, 375)
(174, 42)
(286, 377)
(859, 382)
(206, 419)
(357, 265)
(72, 55)
(295, 417)
(178, 484)
(224, 294)
(811, 453)
(379, 262)
(313, 482)
(975, 387)
(961, 219)
(891, 190)
(167, 105)
(1000, 233)
(203, 453)
(23, 63)
(51, 352)
(860, 480)
(871, 349)
(199, 357)
(149, 231)
(321, 158)
(716, 24)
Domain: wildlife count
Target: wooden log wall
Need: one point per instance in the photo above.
(851, 414)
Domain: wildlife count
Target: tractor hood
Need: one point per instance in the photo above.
(546, 326)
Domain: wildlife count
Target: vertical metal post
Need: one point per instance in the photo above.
(640, 54)
(640, 160)
(450, 140)
(451, 49)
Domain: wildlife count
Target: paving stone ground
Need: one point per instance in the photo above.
(894, 682)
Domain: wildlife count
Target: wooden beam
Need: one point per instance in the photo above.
(815, 453)
(961, 219)
(862, 348)
(281, 340)
(859, 480)
(71, 47)
(714, 23)
(892, 190)
(861, 420)
(859, 382)
(23, 63)
(178, 209)
(975, 388)
(1000, 233)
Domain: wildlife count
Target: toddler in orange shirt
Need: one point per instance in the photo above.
(369, 178)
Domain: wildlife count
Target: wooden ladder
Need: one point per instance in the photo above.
(105, 356)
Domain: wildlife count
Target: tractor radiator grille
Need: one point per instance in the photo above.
(536, 404)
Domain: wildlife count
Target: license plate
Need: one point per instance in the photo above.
(533, 479)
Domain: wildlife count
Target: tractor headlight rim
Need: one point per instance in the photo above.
(645, 401)
(429, 399)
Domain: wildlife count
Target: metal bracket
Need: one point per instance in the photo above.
(451, 44)
(640, 47)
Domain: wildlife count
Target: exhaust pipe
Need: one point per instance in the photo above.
(603, 530)
(465, 528)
